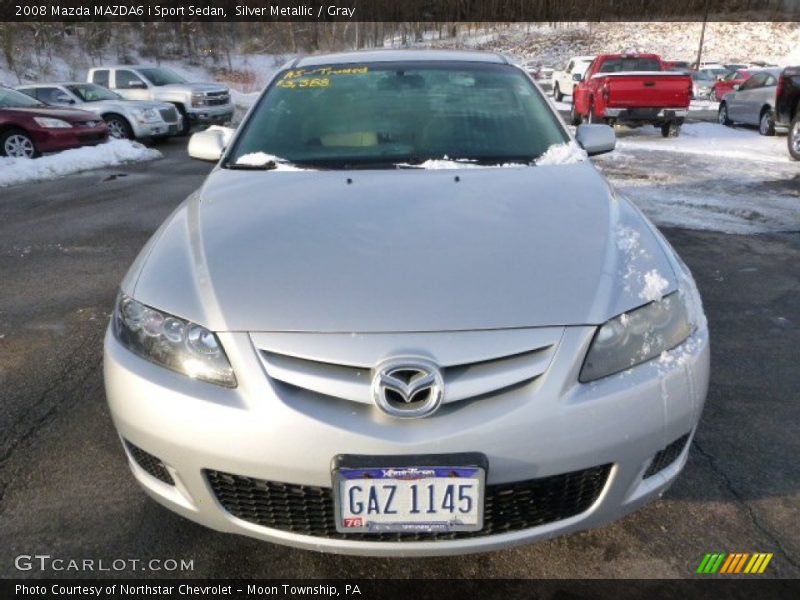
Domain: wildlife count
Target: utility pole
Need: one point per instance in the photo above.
(702, 35)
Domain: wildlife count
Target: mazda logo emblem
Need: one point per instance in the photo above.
(408, 387)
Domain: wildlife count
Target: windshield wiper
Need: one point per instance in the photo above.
(269, 165)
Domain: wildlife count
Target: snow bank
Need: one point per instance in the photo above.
(14, 171)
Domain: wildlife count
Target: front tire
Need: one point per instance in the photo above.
(118, 128)
(793, 139)
(557, 93)
(17, 143)
(766, 124)
(722, 115)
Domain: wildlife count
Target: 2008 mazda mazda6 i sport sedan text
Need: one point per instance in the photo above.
(404, 315)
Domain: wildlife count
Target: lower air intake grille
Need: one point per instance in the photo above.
(150, 464)
(667, 456)
(308, 510)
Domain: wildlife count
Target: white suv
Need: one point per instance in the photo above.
(564, 81)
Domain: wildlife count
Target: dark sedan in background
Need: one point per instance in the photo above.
(29, 128)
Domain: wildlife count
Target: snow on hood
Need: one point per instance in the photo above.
(14, 171)
(435, 164)
(401, 250)
(260, 159)
(563, 154)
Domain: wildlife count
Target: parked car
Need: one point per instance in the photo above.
(198, 103)
(730, 82)
(715, 69)
(677, 65)
(331, 346)
(634, 89)
(735, 66)
(29, 128)
(753, 103)
(126, 119)
(564, 81)
(787, 107)
(702, 83)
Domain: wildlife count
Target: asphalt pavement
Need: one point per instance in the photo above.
(65, 488)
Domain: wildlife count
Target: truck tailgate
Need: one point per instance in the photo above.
(647, 90)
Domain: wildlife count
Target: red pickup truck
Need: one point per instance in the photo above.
(634, 89)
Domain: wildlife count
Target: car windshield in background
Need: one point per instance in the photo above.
(390, 113)
(700, 76)
(15, 99)
(618, 65)
(160, 77)
(89, 92)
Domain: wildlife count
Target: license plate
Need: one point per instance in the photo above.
(442, 494)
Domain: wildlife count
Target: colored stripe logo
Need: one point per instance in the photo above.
(734, 563)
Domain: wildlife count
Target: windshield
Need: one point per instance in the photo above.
(617, 65)
(701, 76)
(15, 99)
(390, 113)
(89, 92)
(161, 76)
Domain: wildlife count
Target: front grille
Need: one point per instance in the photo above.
(218, 100)
(479, 371)
(150, 464)
(667, 456)
(309, 510)
(170, 115)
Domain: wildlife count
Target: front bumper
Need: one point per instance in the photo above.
(57, 139)
(544, 429)
(157, 128)
(213, 115)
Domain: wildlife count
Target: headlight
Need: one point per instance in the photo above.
(171, 342)
(637, 336)
(198, 99)
(146, 114)
(51, 123)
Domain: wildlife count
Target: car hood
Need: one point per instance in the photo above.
(66, 114)
(402, 250)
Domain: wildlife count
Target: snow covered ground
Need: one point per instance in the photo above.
(711, 177)
(14, 171)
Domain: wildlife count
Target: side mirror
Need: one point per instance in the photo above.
(207, 145)
(596, 139)
(64, 99)
(136, 85)
(577, 77)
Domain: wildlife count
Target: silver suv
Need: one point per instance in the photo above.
(198, 103)
(126, 119)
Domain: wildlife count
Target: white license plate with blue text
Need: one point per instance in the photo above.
(409, 499)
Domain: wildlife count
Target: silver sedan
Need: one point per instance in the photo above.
(405, 315)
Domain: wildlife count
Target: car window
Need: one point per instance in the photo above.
(389, 113)
(618, 65)
(770, 80)
(127, 79)
(159, 76)
(89, 92)
(50, 95)
(14, 99)
(755, 81)
(100, 77)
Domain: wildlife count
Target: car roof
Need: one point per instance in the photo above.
(379, 56)
(104, 68)
(52, 83)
